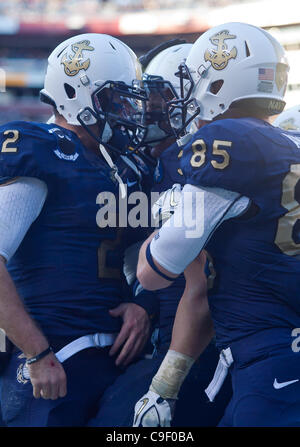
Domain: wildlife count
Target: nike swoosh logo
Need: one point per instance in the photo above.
(144, 403)
(129, 184)
(278, 385)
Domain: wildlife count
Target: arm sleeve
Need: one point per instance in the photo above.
(20, 204)
(186, 233)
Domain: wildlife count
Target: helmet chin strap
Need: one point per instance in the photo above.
(114, 168)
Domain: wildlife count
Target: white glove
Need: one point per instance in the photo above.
(166, 204)
(153, 411)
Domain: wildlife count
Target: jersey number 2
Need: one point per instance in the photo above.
(12, 137)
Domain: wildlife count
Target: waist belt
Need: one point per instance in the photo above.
(98, 340)
(224, 363)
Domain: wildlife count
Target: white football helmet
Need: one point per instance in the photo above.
(166, 63)
(162, 86)
(95, 78)
(289, 119)
(235, 63)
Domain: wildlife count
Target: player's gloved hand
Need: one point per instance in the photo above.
(153, 411)
(166, 204)
(156, 408)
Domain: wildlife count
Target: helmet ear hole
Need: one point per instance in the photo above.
(70, 91)
(216, 86)
(247, 49)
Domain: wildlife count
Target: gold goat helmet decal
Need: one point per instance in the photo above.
(219, 57)
(74, 63)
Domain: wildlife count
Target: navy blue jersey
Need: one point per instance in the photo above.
(256, 257)
(67, 269)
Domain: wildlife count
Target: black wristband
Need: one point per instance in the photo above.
(148, 300)
(39, 356)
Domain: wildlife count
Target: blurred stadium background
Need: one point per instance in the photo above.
(30, 29)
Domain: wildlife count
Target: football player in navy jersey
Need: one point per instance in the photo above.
(168, 172)
(118, 400)
(64, 303)
(243, 176)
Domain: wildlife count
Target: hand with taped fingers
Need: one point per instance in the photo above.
(48, 378)
(134, 332)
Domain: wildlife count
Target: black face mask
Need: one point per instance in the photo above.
(159, 92)
(121, 109)
(182, 111)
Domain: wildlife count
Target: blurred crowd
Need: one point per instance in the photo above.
(55, 8)
(25, 64)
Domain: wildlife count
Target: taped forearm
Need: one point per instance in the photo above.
(171, 374)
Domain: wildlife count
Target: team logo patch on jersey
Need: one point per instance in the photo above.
(74, 63)
(63, 156)
(20, 375)
(219, 57)
(66, 147)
